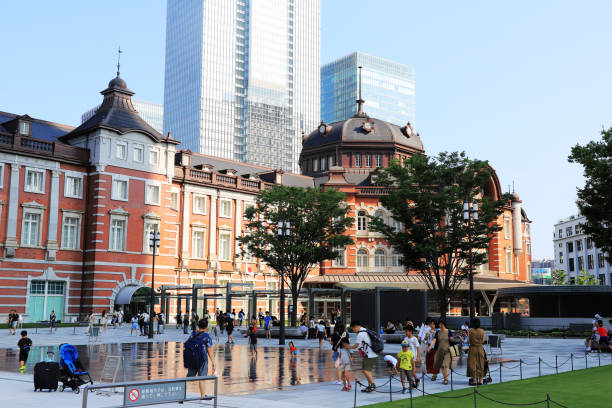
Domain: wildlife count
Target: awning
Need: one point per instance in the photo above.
(124, 297)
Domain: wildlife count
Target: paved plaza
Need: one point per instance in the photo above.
(273, 379)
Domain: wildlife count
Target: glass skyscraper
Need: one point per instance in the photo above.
(152, 113)
(242, 77)
(387, 88)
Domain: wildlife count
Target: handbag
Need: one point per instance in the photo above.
(454, 350)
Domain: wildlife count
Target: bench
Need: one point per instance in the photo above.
(79, 324)
(580, 327)
(393, 338)
(290, 332)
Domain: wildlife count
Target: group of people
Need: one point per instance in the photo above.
(600, 335)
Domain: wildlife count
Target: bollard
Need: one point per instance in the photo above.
(572, 360)
(355, 398)
(547, 401)
(501, 364)
(390, 385)
(451, 370)
(423, 382)
(556, 364)
(539, 366)
(475, 397)
(521, 368)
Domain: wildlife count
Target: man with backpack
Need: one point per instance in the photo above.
(369, 344)
(196, 350)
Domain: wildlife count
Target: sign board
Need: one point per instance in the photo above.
(111, 368)
(147, 394)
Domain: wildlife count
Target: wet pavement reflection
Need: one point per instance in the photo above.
(238, 370)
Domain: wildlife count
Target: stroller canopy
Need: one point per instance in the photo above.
(68, 356)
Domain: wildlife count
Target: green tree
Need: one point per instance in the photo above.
(317, 224)
(595, 198)
(426, 195)
(584, 278)
(558, 277)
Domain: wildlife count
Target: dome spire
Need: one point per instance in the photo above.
(118, 60)
(360, 113)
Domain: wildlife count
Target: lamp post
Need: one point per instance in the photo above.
(153, 244)
(470, 213)
(284, 230)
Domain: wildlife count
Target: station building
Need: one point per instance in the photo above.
(77, 206)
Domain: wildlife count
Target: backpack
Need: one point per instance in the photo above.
(194, 351)
(377, 342)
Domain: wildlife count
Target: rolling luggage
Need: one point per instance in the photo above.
(46, 376)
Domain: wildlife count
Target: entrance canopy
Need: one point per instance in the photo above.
(124, 297)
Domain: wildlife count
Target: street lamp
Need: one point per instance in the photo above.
(284, 230)
(153, 244)
(469, 215)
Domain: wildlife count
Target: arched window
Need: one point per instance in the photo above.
(340, 260)
(380, 214)
(362, 258)
(362, 221)
(379, 258)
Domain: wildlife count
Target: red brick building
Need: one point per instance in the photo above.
(77, 206)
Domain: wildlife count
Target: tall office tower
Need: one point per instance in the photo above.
(152, 113)
(388, 89)
(242, 77)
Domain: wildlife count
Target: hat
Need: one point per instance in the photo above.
(405, 344)
(597, 316)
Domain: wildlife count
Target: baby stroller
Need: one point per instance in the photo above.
(72, 373)
(487, 377)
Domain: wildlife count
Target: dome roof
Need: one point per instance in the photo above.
(117, 82)
(362, 129)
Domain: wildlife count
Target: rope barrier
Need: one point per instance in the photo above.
(510, 403)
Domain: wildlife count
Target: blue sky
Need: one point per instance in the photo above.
(514, 82)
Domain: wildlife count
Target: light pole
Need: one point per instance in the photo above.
(153, 244)
(469, 215)
(284, 230)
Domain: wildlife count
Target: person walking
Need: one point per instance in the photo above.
(252, 334)
(13, 319)
(91, 319)
(441, 343)
(134, 325)
(24, 345)
(476, 354)
(335, 343)
(430, 351)
(268, 325)
(120, 317)
(230, 329)
(261, 317)
(198, 352)
(104, 320)
(320, 333)
(53, 321)
(240, 317)
(364, 344)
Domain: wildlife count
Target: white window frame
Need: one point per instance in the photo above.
(114, 196)
(380, 258)
(156, 151)
(123, 218)
(194, 253)
(174, 206)
(30, 189)
(379, 160)
(228, 256)
(508, 260)
(1, 175)
(340, 261)
(362, 221)
(24, 128)
(154, 222)
(507, 226)
(195, 210)
(359, 256)
(78, 217)
(159, 193)
(222, 202)
(36, 211)
(125, 150)
(138, 147)
(67, 192)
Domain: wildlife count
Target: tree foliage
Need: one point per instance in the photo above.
(585, 278)
(317, 220)
(595, 198)
(558, 277)
(426, 196)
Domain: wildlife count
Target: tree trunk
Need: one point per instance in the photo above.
(294, 301)
(443, 304)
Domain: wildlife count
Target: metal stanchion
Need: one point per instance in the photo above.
(355, 398)
(410, 388)
(599, 358)
(475, 397)
(556, 364)
(586, 360)
(572, 360)
(539, 366)
(423, 382)
(521, 368)
(501, 364)
(547, 401)
(390, 390)
(451, 378)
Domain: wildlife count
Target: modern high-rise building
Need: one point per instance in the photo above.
(242, 77)
(388, 89)
(152, 113)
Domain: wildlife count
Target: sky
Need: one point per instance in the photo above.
(517, 83)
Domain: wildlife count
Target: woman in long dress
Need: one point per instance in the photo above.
(442, 358)
(431, 352)
(476, 355)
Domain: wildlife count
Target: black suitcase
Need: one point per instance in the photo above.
(46, 375)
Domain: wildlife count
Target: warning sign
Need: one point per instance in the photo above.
(133, 395)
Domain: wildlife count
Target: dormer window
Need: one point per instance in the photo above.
(24, 128)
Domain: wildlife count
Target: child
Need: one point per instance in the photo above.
(345, 361)
(134, 325)
(413, 345)
(292, 349)
(405, 366)
(252, 333)
(24, 345)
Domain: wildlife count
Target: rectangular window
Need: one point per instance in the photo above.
(357, 160)
(322, 163)
(138, 153)
(120, 189)
(149, 227)
(153, 157)
(561, 257)
(527, 229)
(560, 233)
(225, 208)
(330, 161)
(397, 226)
(152, 194)
(508, 260)
(528, 247)
(580, 263)
(368, 160)
(197, 243)
(70, 231)
(224, 246)
(379, 160)
(602, 279)
(199, 204)
(577, 229)
(568, 231)
(507, 228)
(121, 150)
(579, 245)
(34, 181)
(340, 259)
(589, 243)
(117, 234)
(590, 262)
(315, 164)
(571, 264)
(24, 128)
(1, 175)
(37, 287)
(55, 287)
(174, 200)
(73, 186)
(30, 234)
(600, 261)
(570, 247)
